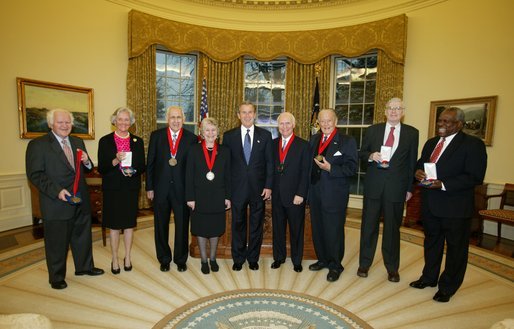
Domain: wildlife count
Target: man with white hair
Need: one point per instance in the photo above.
(55, 165)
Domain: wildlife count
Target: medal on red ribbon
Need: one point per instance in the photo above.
(209, 160)
(174, 147)
(282, 153)
(75, 197)
(323, 145)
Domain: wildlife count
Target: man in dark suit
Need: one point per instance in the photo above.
(52, 167)
(291, 164)
(447, 200)
(165, 175)
(335, 161)
(252, 175)
(387, 186)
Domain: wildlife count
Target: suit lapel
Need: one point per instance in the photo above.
(57, 148)
(454, 145)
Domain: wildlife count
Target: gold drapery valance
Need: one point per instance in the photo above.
(306, 47)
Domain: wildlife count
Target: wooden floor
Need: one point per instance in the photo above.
(141, 298)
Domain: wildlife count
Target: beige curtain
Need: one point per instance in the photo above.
(225, 83)
(141, 98)
(389, 83)
(300, 85)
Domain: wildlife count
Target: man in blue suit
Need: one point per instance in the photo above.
(252, 175)
(52, 166)
(447, 202)
(387, 186)
(335, 161)
(291, 159)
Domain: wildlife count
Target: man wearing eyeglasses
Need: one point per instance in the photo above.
(390, 150)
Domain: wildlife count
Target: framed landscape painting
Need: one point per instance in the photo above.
(36, 98)
(479, 115)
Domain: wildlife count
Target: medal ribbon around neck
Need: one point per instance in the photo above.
(209, 160)
(322, 146)
(174, 148)
(77, 172)
(282, 153)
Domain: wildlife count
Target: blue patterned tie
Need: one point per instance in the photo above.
(247, 146)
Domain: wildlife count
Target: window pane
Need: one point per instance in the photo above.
(355, 115)
(342, 115)
(357, 134)
(370, 91)
(369, 111)
(357, 92)
(343, 93)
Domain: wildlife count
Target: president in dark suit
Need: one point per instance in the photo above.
(252, 175)
(51, 166)
(291, 164)
(165, 175)
(388, 185)
(335, 161)
(448, 201)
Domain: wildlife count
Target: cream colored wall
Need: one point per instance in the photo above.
(454, 50)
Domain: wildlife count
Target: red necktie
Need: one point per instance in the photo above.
(437, 151)
(390, 138)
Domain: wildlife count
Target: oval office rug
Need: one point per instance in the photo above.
(260, 309)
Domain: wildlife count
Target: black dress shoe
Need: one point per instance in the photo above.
(214, 265)
(442, 297)
(420, 284)
(205, 268)
(333, 275)
(393, 276)
(92, 272)
(276, 264)
(298, 268)
(59, 285)
(363, 272)
(237, 267)
(165, 267)
(127, 268)
(181, 267)
(115, 270)
(254, 266)
(317, 266)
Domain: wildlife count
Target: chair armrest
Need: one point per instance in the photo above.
(487, 197)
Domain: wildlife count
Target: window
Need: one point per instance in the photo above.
(354, 98)
(264, 86)
(176, 85)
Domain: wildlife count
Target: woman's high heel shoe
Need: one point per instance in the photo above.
(127, 268)
(115, 271)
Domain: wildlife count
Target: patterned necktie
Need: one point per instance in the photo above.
(437, 151)
(325, 137)
(67, 151)
(174, 138)
(284, 143)
(247, 146)
(390, 138)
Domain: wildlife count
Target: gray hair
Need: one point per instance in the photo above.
(395, 100)
(172, 107)
(210, 121)
(288, 114)
(330, 111)
(122, 109)
(50, 116)
(459, 114)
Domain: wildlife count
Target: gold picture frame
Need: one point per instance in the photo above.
(36, 98)
(479, 115)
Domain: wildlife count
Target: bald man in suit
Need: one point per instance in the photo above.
(52, 166)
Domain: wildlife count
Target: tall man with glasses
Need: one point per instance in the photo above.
(389, 151)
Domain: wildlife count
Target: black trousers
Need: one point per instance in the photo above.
(60, 235)
(393, 215)
(162, 213)
(294, 216)
(455, 232)
(242, 248)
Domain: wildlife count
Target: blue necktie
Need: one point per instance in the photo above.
(247, 146)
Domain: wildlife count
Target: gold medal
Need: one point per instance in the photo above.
(173, 162)
(210, 175)
(319, 157)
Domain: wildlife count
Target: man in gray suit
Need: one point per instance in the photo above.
(390, 150)
(52, 166)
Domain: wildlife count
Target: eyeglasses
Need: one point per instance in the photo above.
(395, 108)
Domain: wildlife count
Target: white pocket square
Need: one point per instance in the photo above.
(337, 154)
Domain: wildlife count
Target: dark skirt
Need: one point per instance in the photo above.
(120, 208)
(207, 225)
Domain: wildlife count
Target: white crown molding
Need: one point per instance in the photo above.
(278, 17)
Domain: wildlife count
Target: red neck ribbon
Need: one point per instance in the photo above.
(174, 148)
(322, 146)
(282, 153)
(77, 172)
(209, 160)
